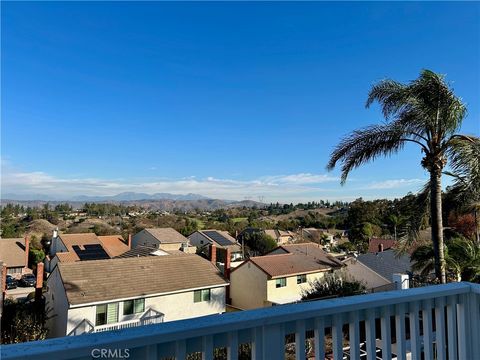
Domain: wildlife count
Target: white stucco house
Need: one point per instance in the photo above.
(101, 295)
(279, 277)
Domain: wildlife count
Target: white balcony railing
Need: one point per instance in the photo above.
(438, 322)
(149, 317)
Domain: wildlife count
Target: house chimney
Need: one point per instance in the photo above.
(213, 254)
(380, 247)
(27, 250)
(226, 271)
(39, 283)
(129, 241)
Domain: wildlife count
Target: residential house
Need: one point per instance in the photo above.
(160, 238)
(14, 255)
(378, 244)
(280, 236)
(221, 240)
(102, 295)
(317, 236)
(381, 270)
(83, 247)
(279, 277)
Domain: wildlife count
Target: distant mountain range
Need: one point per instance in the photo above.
(125, 196)
(158, 201)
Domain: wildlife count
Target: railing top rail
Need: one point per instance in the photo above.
(213, 324)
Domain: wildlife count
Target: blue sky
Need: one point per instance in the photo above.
(229, 100)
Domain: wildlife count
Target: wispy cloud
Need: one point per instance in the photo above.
(270, 187)
(394, 184)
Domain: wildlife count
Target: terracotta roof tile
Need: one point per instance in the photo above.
(114, 245)
(374, 244)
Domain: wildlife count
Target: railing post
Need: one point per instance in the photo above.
(386, 333)
(415, 330)
(269, 342)
(232, 348)
(400, 332)
(452, 328)
(319, 342)
(371, 346)
(354, 335)
(427, 330)
(337, 336)
(207, 347)
(440, 339)
(300, 340)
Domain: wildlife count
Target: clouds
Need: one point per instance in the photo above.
(395, 184)
(278, 187)
(283, 188)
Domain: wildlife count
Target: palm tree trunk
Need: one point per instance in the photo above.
(437, 223)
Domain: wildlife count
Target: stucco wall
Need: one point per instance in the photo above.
(292, 290)
(360, 272)
(248, 287)
(173, 306)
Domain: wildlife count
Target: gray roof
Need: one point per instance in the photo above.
(167, 235)
(386, 264)
(107, 280)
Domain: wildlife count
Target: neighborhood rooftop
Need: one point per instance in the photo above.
(167, 235)
(313, 250)
(288, 264)
(386, 263)
(12, 252)
(104, 280)
(112, 245)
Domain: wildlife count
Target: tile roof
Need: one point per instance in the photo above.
(12, 252)
(167, 235)
(314, 250)
(107, 280)
(296, 260)
(374, 243)
(275, 233)
(385, 263)
(148, 251)
(114, 244)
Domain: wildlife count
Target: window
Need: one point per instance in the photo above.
(201, 295)
(301, 279)
(281, 282)
(106, 314)
(133, 306)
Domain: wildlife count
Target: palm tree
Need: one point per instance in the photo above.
(465, 169)
(462, 258)
(425, 112)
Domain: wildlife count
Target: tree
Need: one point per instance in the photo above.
(465, 165)
(333, 285)
(462, 259)
(425, 112)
